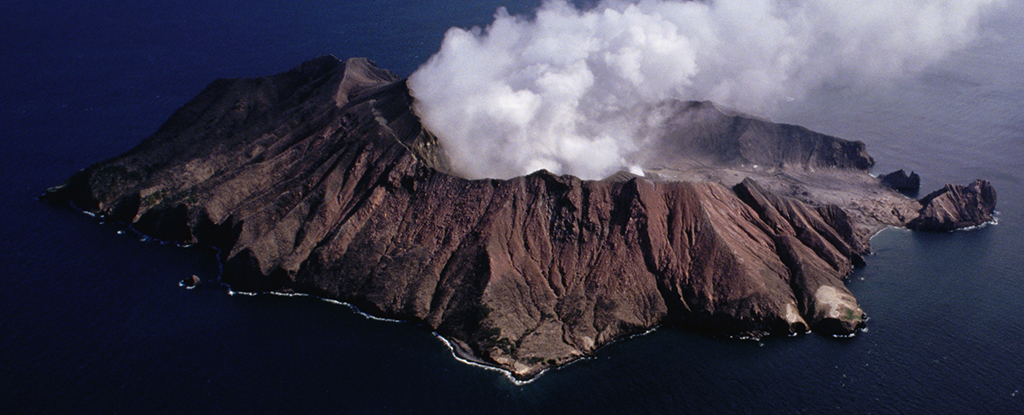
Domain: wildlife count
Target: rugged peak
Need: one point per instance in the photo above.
(711, 107)
(358, 76)
(621, 176)
(318, 65)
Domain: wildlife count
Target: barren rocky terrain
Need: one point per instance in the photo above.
(322, 180)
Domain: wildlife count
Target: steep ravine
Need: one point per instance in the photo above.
(322, 180)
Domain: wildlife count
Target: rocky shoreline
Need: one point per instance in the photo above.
(321, 180)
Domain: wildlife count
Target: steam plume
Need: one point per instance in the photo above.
(568, 89)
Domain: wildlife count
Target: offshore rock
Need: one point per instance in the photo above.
(901, 182)
(190, 282)
(322, 180)
(954, 207)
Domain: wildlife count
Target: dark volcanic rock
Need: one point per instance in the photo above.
(955, 207)
(900, 181)
(191, 282)
(707, 133)
(322, 180)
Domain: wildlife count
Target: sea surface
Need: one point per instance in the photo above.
(92, 319)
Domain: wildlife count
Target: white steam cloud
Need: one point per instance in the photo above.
(568, 90)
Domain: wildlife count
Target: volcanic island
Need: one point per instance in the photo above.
(323, 181)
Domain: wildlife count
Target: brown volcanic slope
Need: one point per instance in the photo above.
(321, 180)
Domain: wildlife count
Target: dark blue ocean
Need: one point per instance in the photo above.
(92, 319)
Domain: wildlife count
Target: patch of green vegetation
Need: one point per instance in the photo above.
(538, 360)
(154, 198)
(850, 315)
(489, 337)
(190, 196)
(506, 345)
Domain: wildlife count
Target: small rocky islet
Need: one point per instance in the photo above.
(322, 180)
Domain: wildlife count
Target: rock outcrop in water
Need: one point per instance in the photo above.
(322, 180)
(900, 181)
(955, 207)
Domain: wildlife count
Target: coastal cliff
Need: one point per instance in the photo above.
(322, 180)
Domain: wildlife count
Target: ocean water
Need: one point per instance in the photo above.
(92, 319)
